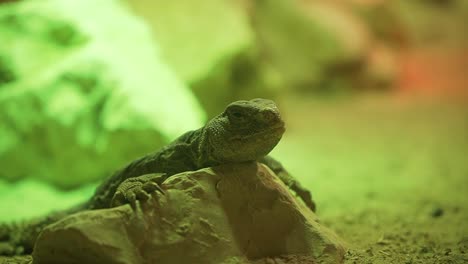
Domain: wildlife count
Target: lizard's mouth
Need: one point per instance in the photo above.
(274, 131)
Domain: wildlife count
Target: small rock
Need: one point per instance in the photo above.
(437, 212)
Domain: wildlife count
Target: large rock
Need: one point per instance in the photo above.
(310, 44)
(210, 45)
(228, 214)
(192, 37)
(75, 86)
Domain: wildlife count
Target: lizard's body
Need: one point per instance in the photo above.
(245, 131)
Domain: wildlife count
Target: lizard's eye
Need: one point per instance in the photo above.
(237, 114)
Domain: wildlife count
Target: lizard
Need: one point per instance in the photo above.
(247, 130)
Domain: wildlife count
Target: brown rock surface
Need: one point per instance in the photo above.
(228, 214)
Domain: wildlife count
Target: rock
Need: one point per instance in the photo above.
(192, 37)
(215, 57)
(74, 84)
(309, 43)
(437, 212)
(227, 214)
(381, 68)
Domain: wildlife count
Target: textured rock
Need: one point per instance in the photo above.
(228, 214)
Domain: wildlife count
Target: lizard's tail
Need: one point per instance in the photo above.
(18, 238)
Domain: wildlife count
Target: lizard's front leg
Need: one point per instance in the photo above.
(137, 188)
(290, 181)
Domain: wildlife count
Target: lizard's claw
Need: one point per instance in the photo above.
(137, 189)
(118, 197)
(307, 199)
(152, 186)
(142, 195)
(305, 196)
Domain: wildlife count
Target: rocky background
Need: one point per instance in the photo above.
(74, 84)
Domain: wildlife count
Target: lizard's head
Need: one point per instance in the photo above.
(245, 131)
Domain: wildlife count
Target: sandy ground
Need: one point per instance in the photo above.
(390, 175)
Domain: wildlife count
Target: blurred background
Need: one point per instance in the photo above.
(374, 94)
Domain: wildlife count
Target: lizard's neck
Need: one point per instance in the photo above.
(203, 149)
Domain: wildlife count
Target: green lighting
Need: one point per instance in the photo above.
(78, 79)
